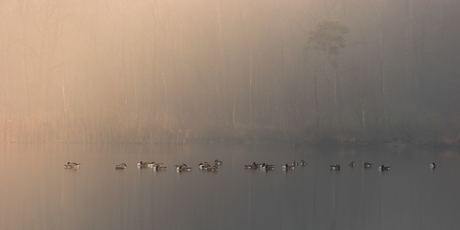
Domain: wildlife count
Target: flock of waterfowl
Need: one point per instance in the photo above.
(213, 168)
(155, 166)
(368, 165)
(158, 166)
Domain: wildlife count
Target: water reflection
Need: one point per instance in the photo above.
(95, 196)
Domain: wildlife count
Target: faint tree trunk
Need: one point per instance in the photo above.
(64, 99)
(339, 100)
(282, 85)
(379, 9)
(364, 95)
(407, 61)
(411, 74)
(421, 62)
(23, 7)
(268, 103)
(135, 85)
(328, 80)
(362, 104)
(250, 86)
(334, 80)
(233, 110)
(155, 9)
(316, 95)
(165, 89)
(223, 66)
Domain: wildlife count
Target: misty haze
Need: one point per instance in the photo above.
(101, 83)
(187, 71)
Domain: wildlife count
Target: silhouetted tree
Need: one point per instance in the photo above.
(327, 36)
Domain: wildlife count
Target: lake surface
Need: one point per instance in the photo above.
(37, 192)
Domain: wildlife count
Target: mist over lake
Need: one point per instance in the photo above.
(37, 191)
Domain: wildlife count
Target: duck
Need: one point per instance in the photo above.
(204, 165)
(72, 165)
(302, 162)
(160, 168)
(268, 166)
(335, 167)
(121, 166)
(367, 165)
(295, 163)
(218, 162)
(144, 164)
(288, 167)
(212, 168)
(433, 165)
(154, 164)
(352, 164)
(184, 168)
(183, 164)
(251, 166)
(384, 168)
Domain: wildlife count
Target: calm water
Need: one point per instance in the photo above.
(37, 192)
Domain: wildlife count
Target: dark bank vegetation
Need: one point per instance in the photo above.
(346, 72)
(417, 130)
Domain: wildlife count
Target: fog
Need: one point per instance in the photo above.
(238, 71)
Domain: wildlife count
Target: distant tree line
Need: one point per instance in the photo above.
(332, 72)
